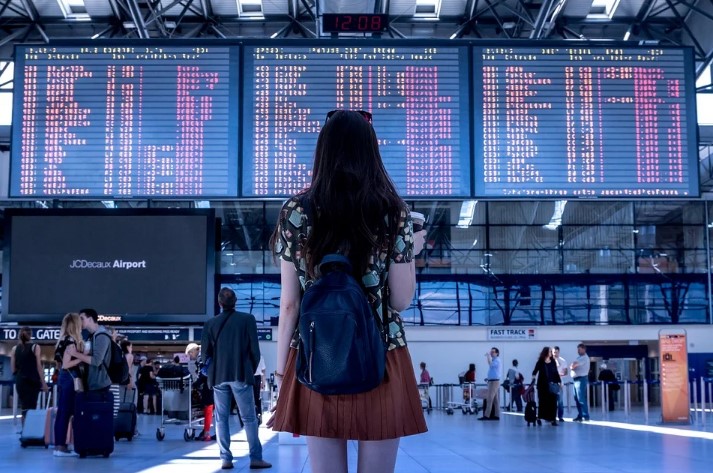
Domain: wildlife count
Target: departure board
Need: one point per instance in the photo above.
(110, 121)
(418, 96)
(582, 121)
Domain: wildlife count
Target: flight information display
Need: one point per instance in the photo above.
(582, 121)
(418, 96)
(110, 121)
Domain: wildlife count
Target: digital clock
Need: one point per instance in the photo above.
(354, 22)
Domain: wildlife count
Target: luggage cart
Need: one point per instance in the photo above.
(425, 395)
(179, 391)
(469, 405)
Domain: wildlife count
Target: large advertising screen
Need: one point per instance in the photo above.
(135, 266)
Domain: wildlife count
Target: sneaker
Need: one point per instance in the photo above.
(586, 419)
(577, 419)
(259, 464)
(64, 453)
(227, 465)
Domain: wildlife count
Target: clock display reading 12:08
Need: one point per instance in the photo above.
(354, 22)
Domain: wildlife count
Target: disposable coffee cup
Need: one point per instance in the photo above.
(418, 220)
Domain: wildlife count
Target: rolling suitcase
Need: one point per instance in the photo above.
(50, 420)
(530, 406)
(33, 431)
(530, 413)
(125, 420)
(93, 423)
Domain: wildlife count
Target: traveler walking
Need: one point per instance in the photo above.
(25, 364)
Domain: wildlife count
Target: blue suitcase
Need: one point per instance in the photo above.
(94, 424)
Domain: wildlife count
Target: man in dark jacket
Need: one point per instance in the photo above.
(230, 343)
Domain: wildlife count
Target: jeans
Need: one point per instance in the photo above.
(243, 394)
(65, 407)
(580, 396)
(560, 401)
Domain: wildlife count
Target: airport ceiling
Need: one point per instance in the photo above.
(678, 22)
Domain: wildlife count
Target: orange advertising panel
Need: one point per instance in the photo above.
(674, 378)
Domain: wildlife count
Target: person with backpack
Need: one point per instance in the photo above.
(347, 249)
(101, 353)
(94, 415)
(514, 379)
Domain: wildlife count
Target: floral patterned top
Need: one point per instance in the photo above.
(294, 227)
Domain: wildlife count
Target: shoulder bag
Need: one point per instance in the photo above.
(209, 360)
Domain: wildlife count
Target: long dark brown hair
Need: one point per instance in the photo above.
(544, 354)
(352, 203)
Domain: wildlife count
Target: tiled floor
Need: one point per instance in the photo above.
(457, 443)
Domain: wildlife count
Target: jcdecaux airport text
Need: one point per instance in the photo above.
(116, 264)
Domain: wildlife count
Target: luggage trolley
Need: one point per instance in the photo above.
(469, 405)
(177, 398)
(425, 395)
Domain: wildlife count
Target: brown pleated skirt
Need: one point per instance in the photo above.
(390, 411)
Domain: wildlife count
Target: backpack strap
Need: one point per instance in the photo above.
(213, 362)
(384, 323)
(104, 364)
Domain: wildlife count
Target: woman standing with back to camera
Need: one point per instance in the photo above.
(351, 208)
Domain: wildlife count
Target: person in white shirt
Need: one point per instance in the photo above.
(563, 371)
(258, 386)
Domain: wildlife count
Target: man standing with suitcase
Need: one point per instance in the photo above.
(94, 412)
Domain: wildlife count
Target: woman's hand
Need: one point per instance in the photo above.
(271, 421)
(419, 241)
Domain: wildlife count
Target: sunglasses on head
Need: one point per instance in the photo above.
(363, 113)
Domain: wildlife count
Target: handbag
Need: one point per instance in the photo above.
(78, 385)
(554, 388)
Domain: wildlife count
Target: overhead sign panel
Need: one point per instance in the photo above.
(123, 120)
(584, 121)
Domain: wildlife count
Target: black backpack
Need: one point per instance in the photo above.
(341, 347)
(118, 368)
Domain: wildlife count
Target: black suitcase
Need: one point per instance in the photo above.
(531, 413)
(125, 422)
(93, 423)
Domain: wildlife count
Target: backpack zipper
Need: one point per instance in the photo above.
(311, 351)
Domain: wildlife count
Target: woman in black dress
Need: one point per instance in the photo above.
(27, 368)
(547, 379)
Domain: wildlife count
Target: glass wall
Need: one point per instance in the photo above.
(509, 263)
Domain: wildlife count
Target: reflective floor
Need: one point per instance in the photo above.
(457, 443)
